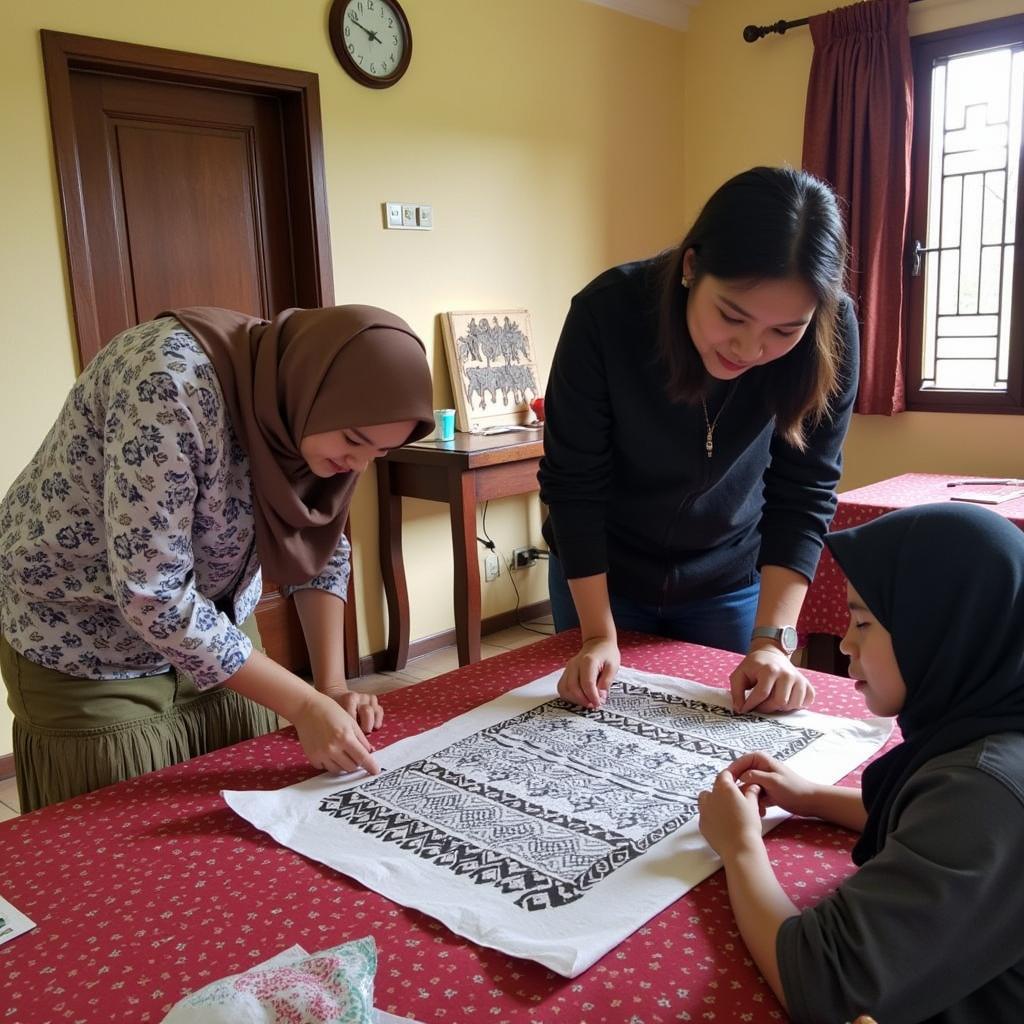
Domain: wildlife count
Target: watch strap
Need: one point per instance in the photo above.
(784, 636)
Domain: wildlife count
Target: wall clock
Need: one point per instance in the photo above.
(371, 39)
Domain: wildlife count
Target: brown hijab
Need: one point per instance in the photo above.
(309, 371)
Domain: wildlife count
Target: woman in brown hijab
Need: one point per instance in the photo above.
(195, 450)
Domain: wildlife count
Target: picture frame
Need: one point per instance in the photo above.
(493, 367)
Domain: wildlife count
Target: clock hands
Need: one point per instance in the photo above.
(373, 35)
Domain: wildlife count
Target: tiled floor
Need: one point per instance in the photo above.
(415, 671)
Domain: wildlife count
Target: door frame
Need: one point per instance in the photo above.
(299, 95)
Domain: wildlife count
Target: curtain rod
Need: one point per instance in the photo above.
(754, 32)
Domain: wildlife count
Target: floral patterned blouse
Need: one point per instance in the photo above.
(127, 544)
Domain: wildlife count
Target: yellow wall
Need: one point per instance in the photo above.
(745, 106)
(544, 133)
(547, 155)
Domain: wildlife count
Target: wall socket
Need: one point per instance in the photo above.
(492, 567)
(523, 558)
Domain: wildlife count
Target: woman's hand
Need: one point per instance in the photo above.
(363, 707)
(777, 784)
(588, 675)
(729, 817)
(773, 682)
(331, 737)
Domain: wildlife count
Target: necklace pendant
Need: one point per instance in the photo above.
(709, 444)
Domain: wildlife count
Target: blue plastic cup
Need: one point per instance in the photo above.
(444, 421)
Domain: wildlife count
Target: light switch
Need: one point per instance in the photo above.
(408, 216)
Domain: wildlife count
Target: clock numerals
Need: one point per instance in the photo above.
(371, 39)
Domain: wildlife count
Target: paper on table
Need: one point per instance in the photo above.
(544, 830)
(995, 496)
(12, 922)
(506, 428)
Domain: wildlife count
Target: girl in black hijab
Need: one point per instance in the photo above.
(930, 927)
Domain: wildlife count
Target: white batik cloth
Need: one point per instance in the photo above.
(542, 829)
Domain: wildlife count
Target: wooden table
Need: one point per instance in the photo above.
(149, 889)
(824, 615)
(461, 473)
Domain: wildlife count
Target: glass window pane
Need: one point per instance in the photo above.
(975, 149)
(970, 243)
(990, 291)
(952, 193)
(967, 326)
(965, 374)
(1004, 332)
(995, 207)
(967, 348)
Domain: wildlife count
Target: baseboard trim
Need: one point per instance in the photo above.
(6, 766)
(428, 644)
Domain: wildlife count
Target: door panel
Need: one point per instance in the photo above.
(184, 191)
(192, 190)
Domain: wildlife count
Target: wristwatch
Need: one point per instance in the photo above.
(784, 636)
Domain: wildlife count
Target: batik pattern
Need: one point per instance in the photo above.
(545, 805)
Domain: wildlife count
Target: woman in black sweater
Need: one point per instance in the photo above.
(695, 413)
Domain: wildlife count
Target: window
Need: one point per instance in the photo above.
(966, 290)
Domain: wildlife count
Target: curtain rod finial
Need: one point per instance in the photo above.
(754, 32)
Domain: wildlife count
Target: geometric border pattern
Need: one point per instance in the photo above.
(544, 805)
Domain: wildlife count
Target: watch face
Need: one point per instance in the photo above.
(375, 37)
(789, 639)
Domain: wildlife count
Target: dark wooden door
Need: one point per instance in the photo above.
(184, 198)
(188, 190)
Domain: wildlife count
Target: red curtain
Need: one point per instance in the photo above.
(857, 135)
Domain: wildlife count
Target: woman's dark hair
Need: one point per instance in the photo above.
(766, 223)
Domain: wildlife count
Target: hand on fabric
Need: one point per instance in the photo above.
(729, 817)
(363, 707)
(777, 784)
(773, 681)
(588, 675)
(331, 737)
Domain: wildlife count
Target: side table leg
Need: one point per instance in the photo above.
(462, 500)
(392, 569)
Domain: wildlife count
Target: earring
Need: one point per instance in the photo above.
(687, 281)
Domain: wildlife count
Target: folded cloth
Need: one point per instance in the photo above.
(332, 987)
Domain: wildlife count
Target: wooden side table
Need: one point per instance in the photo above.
(461, 473)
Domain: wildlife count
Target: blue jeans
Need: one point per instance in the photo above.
(724, 621)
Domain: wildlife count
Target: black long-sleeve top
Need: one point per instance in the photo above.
(932, 927)
(625, 475)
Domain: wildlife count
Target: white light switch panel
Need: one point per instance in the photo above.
(408, 216)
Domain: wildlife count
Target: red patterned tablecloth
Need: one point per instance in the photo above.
(152, 888)
(825, 608)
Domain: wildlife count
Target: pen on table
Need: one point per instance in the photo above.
(982, 483)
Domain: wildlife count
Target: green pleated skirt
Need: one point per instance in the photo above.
(72, 735)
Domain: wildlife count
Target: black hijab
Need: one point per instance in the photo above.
(947, 581)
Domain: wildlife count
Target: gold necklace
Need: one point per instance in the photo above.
(709, 440)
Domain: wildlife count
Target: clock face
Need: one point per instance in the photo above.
(372, 40)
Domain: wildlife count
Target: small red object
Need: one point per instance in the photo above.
(537, 405)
